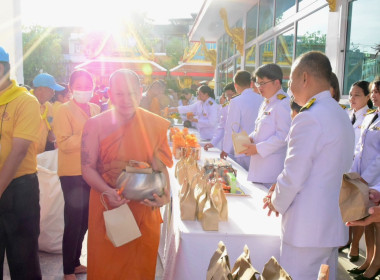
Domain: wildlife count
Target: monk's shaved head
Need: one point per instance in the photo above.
(125, 75)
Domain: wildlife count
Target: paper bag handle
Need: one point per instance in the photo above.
(102, 200)
(232, 128)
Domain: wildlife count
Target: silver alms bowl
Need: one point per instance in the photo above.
(139, 186)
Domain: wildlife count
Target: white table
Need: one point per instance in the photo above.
(186, 249)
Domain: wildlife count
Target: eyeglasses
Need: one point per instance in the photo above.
(261, 84)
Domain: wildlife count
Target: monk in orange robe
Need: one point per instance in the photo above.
(109, 141)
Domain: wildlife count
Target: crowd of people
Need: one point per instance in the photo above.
(301, 143)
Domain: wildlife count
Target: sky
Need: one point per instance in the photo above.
(102, 13)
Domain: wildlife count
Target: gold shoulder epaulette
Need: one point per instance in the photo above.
(343, 106)
(236, 95)
(226, 104)
(370, 111)
(210, 102)
(307, 105)
(281, 96)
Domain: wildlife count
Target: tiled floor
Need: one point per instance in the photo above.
(51, 266)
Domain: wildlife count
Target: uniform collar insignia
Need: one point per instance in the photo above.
(226, 104)
(343, 106)
(280, 96)
(307, 105)
(369, 111)
(236, 95)
(210, 102)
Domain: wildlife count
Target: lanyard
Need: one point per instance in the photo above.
(2, 119)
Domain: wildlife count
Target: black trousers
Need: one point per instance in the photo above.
(20, 228)
(76, 194)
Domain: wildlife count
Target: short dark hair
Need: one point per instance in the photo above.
(208, 90)
(334, 83)
(242, 78)
(315, 63)
(364, 85)
(7, 68)
(271, 71)
(229, 86)
(294, 106)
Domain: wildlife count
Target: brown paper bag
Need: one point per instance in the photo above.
(243, 269)
(219, 266)
(121, 226)
(220, 201)
(354, 198)
(210, 216)
(187, 203)
(201, 193)
(273, 271)
(238, 140)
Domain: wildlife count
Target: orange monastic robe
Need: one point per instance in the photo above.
(143, 136)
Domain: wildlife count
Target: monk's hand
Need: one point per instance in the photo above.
(223, 155)
(374, 217)
(158, 201)
(251, 149)
(374, 196)
(208, 146)
(268, 202)
(115, 199)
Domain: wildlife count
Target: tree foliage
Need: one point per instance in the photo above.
(42, 53)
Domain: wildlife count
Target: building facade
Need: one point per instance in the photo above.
(251, 33)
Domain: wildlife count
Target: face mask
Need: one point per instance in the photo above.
(82, 96)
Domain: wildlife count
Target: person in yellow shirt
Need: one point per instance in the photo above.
(68, 126)
(19, 190)
(44, 86)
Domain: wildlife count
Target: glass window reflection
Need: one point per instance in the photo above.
(250, 60)
(363, 33)
(265, 15)
(311, 32)
(266, 52)
(284, 9)
(251, 29)
(284, 54)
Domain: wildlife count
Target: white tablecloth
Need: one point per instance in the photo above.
(185, 249)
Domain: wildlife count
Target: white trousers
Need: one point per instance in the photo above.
(303, 263)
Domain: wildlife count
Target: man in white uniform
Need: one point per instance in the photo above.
(320, 151)
(217, 140)
(242, 113)
(205, 112)
(268, 148)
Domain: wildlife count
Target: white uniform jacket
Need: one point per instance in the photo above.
(320, 151)
(219, 131)
(271, 128)
(367, 158)
(207, 115)
(242, 114)
(357, 125)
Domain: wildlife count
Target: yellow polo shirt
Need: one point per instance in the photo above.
(68, 125)
(20, 118)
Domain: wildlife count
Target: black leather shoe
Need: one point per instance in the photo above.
(340, 249)
(362, 277)
(353, 258)
(356, 271)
